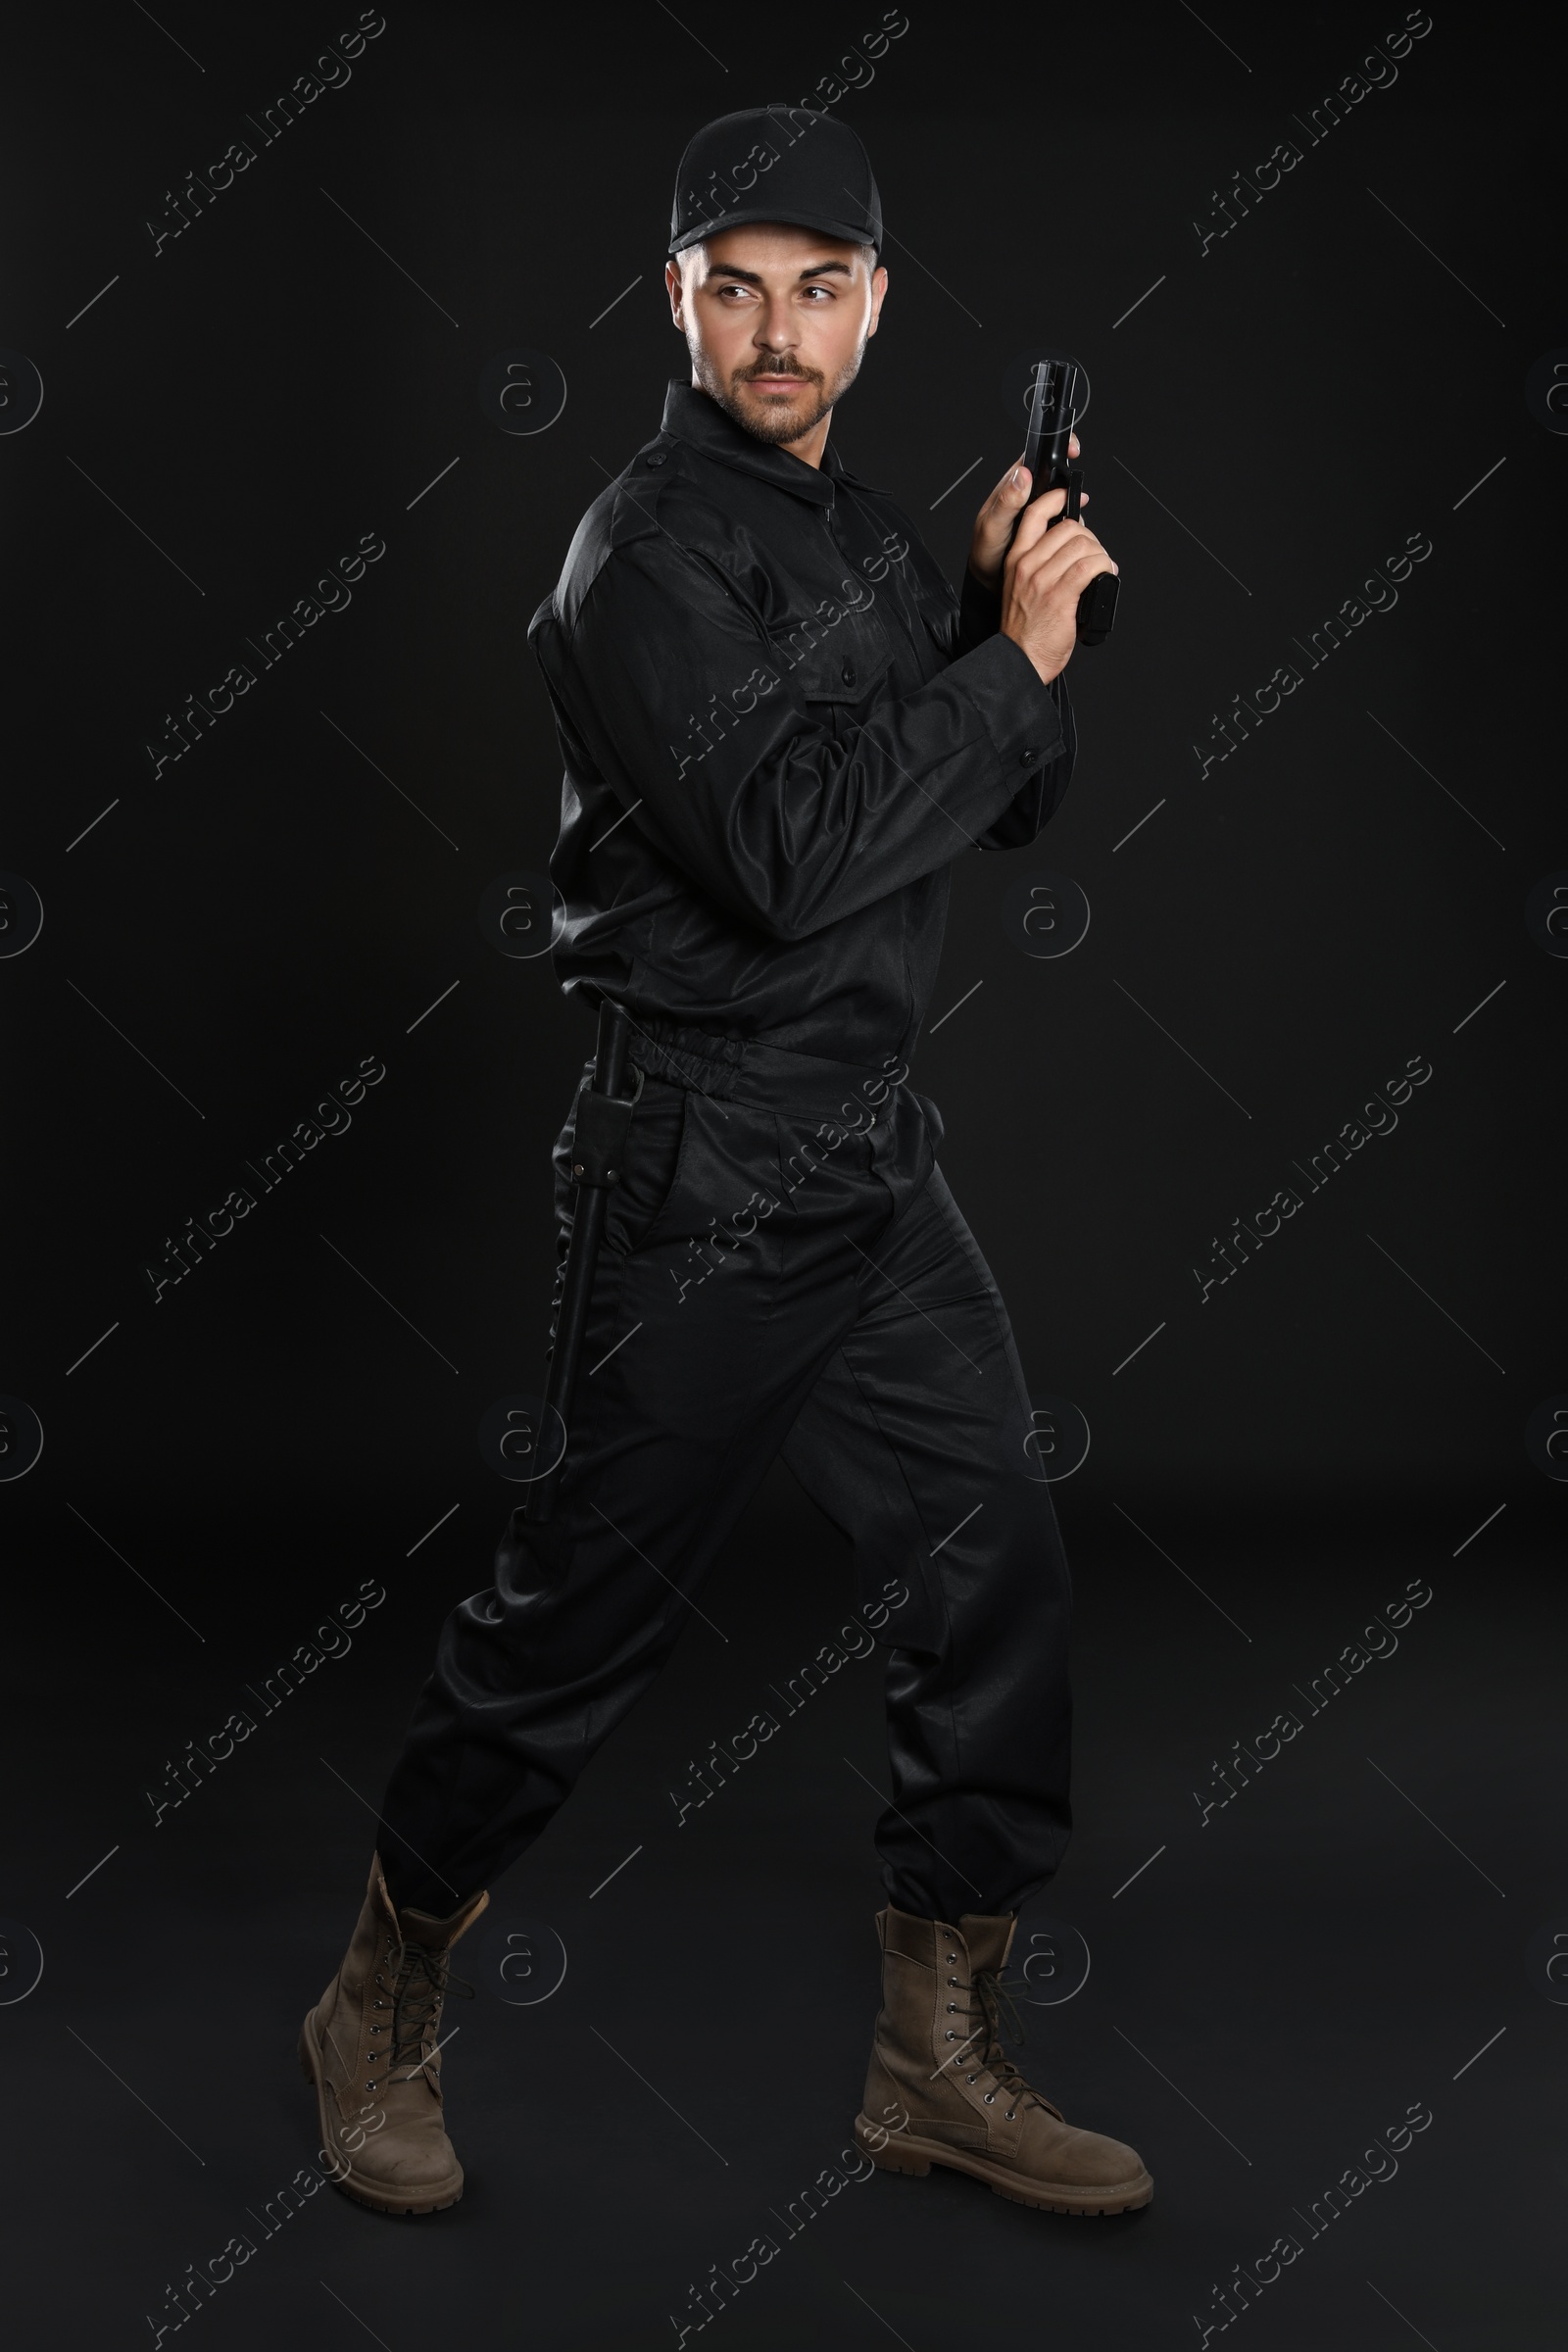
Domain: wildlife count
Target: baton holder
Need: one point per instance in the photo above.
(598, 1154)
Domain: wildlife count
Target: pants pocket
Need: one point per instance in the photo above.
(650, 1180)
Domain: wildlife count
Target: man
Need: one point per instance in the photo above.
(779, 729)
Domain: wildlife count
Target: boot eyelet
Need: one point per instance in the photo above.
(952, 2006)
(1012, 2113)
(990, 2098)
(971, 2077)
(950, 2035)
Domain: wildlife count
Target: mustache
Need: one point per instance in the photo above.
(803, 375)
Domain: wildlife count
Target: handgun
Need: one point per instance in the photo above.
(1053, 405)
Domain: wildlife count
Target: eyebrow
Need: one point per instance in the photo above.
(752, 277)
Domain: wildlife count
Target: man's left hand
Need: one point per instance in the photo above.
(993, 525)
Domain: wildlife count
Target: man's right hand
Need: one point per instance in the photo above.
(1045, 574)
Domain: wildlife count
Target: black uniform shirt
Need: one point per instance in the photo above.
(779, 728)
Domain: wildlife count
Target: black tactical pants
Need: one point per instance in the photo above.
(837, 1312)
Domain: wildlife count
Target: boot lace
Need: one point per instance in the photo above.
(1002, 2016)
(423, 1981)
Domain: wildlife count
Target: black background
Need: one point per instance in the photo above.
(301, 890)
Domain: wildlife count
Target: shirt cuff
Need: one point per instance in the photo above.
(1020, 714)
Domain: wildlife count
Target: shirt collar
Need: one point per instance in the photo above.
(691, 417)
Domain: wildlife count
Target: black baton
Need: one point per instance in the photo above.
(599, 1144)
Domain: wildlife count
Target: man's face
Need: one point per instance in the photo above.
(776, 320)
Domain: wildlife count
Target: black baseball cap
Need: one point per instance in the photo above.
(775, 163)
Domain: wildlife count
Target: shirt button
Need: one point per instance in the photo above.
(847, 673)
(656, 457)
(1027, 759)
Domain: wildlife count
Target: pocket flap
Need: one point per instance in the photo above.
(848, 665)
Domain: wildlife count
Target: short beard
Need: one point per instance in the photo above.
(780, 427)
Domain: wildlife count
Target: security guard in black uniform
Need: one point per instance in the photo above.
(779, 728)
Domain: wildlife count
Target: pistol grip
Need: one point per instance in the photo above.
(1096, 608)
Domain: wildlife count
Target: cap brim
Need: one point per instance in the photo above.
(743, 216)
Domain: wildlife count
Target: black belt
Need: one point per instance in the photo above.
(746, 1070)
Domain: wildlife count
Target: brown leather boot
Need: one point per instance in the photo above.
(370, 2047)
(940, 2089)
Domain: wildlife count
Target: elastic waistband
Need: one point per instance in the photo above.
(744, 1070)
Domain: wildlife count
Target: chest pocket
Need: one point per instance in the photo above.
(845, 665)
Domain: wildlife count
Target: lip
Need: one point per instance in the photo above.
(772, 384)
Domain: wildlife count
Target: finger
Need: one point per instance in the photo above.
(1068, 579)
(1073, 450)
(1011, 492)
(1042, 556)
(995, 521)
(1072, 583)
(1096, 557)
(1032, 522)
(1052, 552)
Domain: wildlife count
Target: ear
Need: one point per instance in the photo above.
(674, 288)
(879, 287)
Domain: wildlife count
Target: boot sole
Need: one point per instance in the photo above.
(353, 2185)
(904, 2152)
